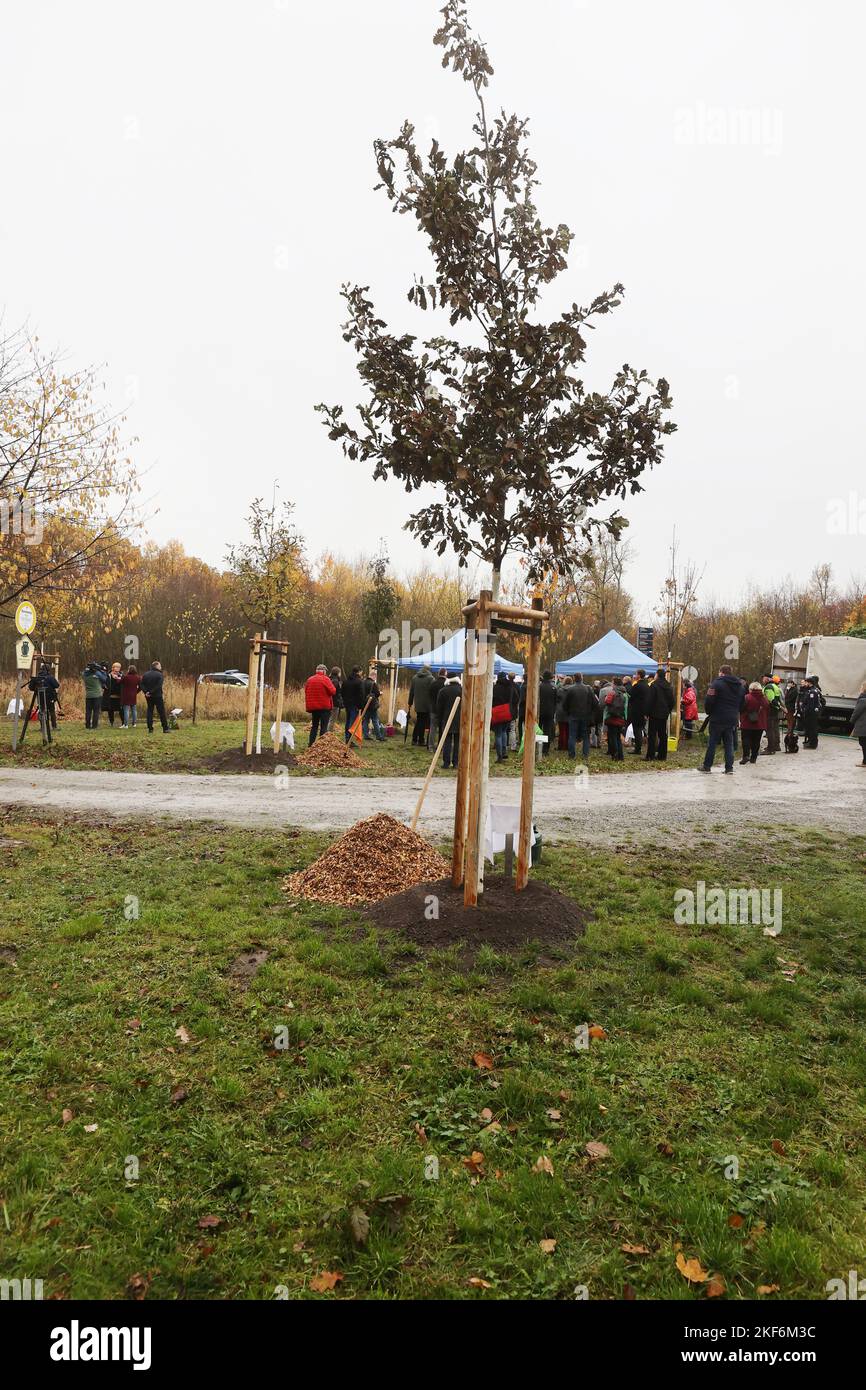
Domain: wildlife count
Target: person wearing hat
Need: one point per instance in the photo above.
(811, 703)
(773, 696)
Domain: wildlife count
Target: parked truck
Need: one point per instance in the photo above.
(838, 662)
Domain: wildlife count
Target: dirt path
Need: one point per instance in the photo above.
(822, 789)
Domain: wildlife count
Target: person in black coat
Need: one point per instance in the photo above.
(370, 691)
(580, 707)
(353, 698)
(547, 710)
(336, 679)
(811, 704)
(723, 702)
(660, 701)
(501, 698)
(151, 689)
(637, 708)
(450, 692)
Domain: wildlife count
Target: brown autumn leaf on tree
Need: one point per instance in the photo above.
(691, 1269)
(326, 1281)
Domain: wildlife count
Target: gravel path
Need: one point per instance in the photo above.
(821, 789)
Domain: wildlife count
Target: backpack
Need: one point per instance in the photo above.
(616, 709)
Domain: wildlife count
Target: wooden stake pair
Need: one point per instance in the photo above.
(258, 652)
(470, 815)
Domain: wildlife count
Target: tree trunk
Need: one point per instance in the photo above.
(485, 761)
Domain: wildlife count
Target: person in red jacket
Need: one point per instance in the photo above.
(689, 708)
(753, 722)
(319, 693)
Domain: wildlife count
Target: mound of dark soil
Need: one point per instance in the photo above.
(504, 919)
(236, 760)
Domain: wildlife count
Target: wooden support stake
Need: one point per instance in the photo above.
(458, 852)
(392, 696)
(432, 767)
(509, 857)
(533, 671)
(281, 689)
(478, 751)
(252, 692)
(675, 712)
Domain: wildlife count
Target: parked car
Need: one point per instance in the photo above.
(232, 677)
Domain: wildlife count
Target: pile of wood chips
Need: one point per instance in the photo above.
(375, 859)
(329, 751)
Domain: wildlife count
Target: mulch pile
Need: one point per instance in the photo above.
(237, 760)
(329, 751)
(504, 919)
(373, 860)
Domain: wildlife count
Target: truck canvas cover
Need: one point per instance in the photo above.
(838, 662)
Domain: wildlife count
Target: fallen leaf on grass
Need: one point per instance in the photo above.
(207, 1223)
(482, 1060)
(137, 1286)
(691, 1269)
(182, 1034)
(66, 1116)
(90, 1129)
(475, 1162)
(326, 1281)
(421, 1133)
(628, 1293)
(179, 1096)
(666, 1149)
(554, 1115)
(543, 1165)
(768, 1288)
(597, 1032)
(133, 1025)
(628, 1249)
(479, 1283)
(779, 1148)
(548, 1246)
(597, 1150)
(486, 1115)
(359, 1224)
(735, 1220)
(715, 1286)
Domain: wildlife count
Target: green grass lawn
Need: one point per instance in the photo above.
(193, 748)
(710, 1054)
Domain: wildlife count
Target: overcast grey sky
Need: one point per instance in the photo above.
(186, 185)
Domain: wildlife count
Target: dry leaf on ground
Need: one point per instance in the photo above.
(543, 1165)
(691, 1269)
(597, 1150)
(326, 1281)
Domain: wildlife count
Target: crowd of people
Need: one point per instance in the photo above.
(114, 692)
(622, 713)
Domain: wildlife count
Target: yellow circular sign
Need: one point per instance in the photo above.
(25, 618)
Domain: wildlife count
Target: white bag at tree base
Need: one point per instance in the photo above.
(287, 733)
(629, 735)
(401, 718)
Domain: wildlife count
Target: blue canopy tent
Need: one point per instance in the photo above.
(451, 656)
(611, 655)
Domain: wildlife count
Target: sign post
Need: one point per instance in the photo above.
(25, 621)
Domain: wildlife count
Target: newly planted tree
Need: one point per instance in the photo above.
(499, 420)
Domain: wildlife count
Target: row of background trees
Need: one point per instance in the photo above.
(196, 617)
